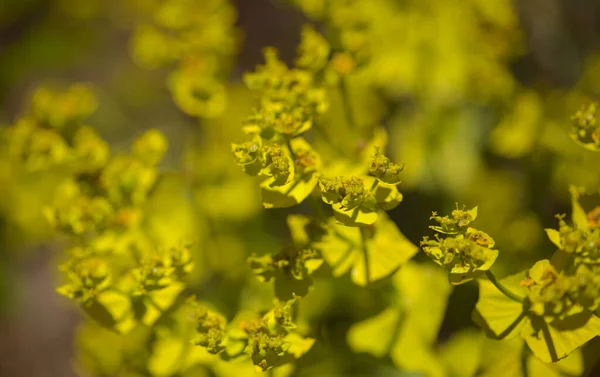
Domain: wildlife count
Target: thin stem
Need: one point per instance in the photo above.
(395, 332)
(502, 288)
(374, 185)
(289, 147)
(363, 238)
(346, 104)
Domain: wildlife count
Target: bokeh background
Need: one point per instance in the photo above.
(477, 103)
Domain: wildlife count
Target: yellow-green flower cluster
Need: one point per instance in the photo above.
(585, 128)
(38, 139)
(265, 344)
(465, 251)
(291, 100)
(199, 37)
(555, 294)
(87, 278)
(582, 244)
(384, 169)
(210, 327)
(289, 103)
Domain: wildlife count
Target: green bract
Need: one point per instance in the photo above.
(549, 337)
(369, 254)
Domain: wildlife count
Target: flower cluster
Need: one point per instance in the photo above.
(210, 327)
(585, 128)
(37, 139)
(290, 103)
(559, 295)
(198, 35)
(465, 251)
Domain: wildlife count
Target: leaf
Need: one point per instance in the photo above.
(355, 217)
(388, 197)
(553, 341)
(165, 359)
(424, 298)
(159, 301)
(578, 215)
(554, 236)
(288, 195)
(386, 251)
(407, 332)
(461, 354)
(460, 275)
(497, 314)
(298, 345)
(473, 213)
(287, 288)
(501, 358)
(112, 310)
(361, 335)
(571, 365)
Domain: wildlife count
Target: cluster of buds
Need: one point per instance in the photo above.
(290, 100)
(40, 138)
(384, 169)
(465, 251)
(86, 279)
(556, 294)
(270, 162)
(200, 38)
(348, 193)
(582, 244)
(585, 128)
(265, 345)
(293, 262)
(210, 327)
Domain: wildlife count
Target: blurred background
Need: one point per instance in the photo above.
(476, 98)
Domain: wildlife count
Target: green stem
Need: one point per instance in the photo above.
(363, 238)
(374, 185)
(346, 104)
(395, 332)
(289, 147)
(502, 288)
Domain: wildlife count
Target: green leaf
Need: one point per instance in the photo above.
(424, 297)
(460, 275)
(553, 341)
(501, 358)
(407, 332)
(358, 216)
(571, 365)
(361, 335)
(578, 216)
(288, 195)
(165, 359)
(461, 354)
(388, 197)
(159, 301)
(554, 236)
(385, 250)
(298, 345)
(498, 315)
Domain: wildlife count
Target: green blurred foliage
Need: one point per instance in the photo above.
(304, 260)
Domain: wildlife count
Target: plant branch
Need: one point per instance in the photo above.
(363, 239)
(511, 295)
(346, 104)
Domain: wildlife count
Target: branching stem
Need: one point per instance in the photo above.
(502, 288)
